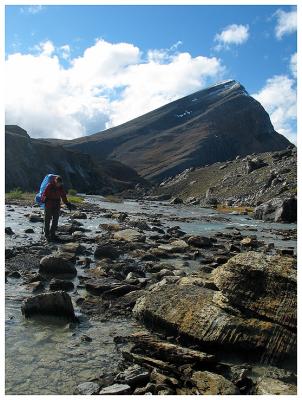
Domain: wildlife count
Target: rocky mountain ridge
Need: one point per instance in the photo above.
(214, 124)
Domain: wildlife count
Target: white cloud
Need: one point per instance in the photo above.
(32, 9)
(65, 51)
(107, 85)
(45, 48)
(286, 23)
(279, 98)
(232, 35)
(293, 65)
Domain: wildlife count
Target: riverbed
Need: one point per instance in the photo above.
(50, 356)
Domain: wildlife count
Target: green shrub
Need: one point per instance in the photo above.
(15, 194)
(72, 192)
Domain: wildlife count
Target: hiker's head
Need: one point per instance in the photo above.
(58, 181)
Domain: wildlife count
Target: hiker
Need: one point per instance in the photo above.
(51, 197)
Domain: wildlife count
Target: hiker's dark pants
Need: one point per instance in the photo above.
(51, 215)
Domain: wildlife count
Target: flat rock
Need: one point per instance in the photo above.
(175, 246)
(209, 383)
(130, 235)
(109, 286)
(87, 388)
(135, 375)
(116, 389)
(56, 304)
(199, 241)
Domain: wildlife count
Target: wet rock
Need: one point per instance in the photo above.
(29, 230)
(129, 235)
(277, 210)
(161, 379)
(177, 246)
(35, 286)
(141, 225)
(274, 387)
(116, 389)
(35, 217)
(86, 338)
(249, 242)
(56, 265)
(59, 284)
(14, 274)
(135, 375)
(199, 241)
(251, 281)
(106, 251)
(87, 388)
(176, 200)
(73, 247)
(56, 304)
(9, 231)
(110, 227)
(109, 286)
(209, 383)
(79, 215)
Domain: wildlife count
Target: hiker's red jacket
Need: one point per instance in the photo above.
(52, 196)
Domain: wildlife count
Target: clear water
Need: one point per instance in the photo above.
(48, 357)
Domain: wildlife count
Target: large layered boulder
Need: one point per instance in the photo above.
(210, 318)
(277, 210)
(56, 304)
(264, 287)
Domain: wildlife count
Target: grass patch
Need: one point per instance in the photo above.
(18, 194)
(75, 199)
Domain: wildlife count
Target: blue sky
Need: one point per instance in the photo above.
(136, 58)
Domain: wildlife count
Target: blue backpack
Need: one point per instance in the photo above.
(38, 199)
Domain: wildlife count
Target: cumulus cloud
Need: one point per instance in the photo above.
(279, 98)
(105, 86)
(231, 35)
(286, 23)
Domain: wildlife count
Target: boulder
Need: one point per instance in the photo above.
(130, 235)
(199, 241)
(56, 304)
(255, 163)
(260, 285)
(277, 210)
(9, 231)
(189, 311)
(72, 247)
(209, 383)
(56, 265)
(106, 251)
